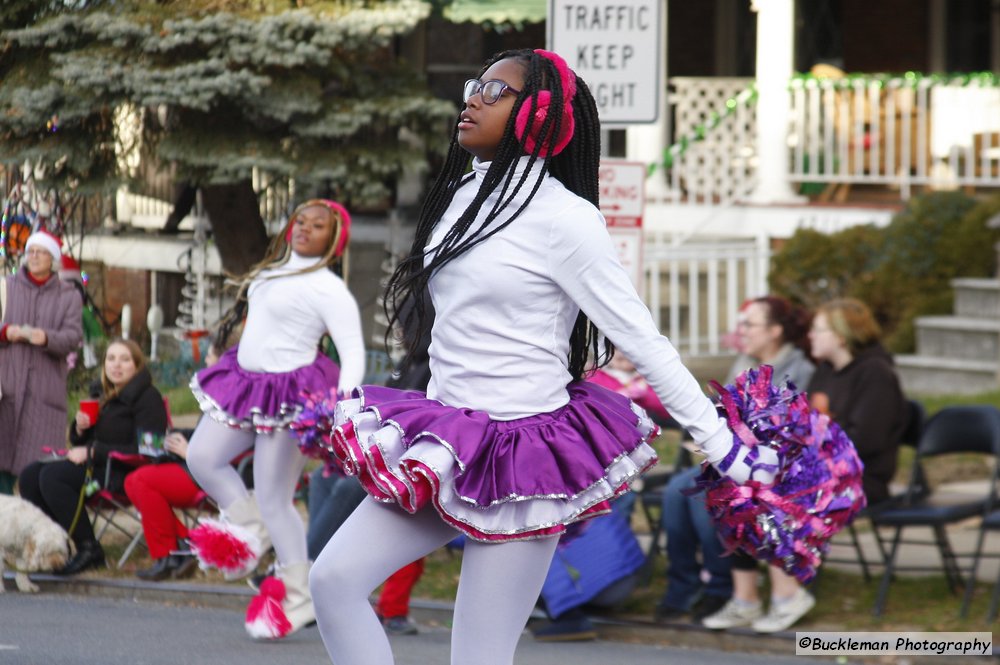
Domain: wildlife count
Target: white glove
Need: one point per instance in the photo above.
(717, 449)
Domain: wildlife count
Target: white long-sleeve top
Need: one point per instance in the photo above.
(504, 311)
(288, 314)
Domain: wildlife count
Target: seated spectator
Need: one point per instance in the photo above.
(130, 404)
(595, 570)
(155, 490)
(621, 376)
(856, 384)
(771, 331)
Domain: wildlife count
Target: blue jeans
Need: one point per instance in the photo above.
(332, 499)
(689, 528)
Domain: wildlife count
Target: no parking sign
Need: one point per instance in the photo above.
(623, 196)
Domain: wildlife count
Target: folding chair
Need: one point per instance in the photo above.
(990, 523)
(112, 507)
(651, 499)
(916, 415)
(957, 429)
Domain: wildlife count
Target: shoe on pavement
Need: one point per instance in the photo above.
(784, 613)
(668, 613)
(566, 630)
(707, 605)
(399, 626)
(734, 613)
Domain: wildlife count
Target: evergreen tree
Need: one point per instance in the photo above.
(310, 90)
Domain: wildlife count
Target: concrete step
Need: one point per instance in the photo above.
(958, 337)
(930, 375)
(977, 297)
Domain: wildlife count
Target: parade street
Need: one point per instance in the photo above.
(62, 629)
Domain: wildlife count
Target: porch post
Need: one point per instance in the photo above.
(775, 51)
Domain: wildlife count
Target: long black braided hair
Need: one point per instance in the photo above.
(576, 167)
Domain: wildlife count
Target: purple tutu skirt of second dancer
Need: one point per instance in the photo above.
(258, 401)
(494, 480)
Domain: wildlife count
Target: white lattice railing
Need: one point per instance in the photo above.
(712, 161)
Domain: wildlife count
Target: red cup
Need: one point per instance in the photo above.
(91, 407)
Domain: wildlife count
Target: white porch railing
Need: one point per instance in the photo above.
(275, 194)
(694, 290)
(899, 131)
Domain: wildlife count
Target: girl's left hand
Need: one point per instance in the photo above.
(77, 454)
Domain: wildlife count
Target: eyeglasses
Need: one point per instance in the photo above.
(750, 324)
(491, 90)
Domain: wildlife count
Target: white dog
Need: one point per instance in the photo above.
(29, 541)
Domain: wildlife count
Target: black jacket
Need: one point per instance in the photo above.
(867, 402)
(137, 407)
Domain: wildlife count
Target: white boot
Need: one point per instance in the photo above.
(283, 605)
(235, 542)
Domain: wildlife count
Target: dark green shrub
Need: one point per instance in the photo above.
(902, 271)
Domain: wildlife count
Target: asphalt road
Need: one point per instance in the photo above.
(58, 629)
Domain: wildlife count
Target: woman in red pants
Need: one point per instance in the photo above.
(155, 490)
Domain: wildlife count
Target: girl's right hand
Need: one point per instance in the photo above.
(82, 422)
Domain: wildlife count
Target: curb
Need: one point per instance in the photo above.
(683, 635)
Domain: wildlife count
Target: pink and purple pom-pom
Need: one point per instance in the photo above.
(817, 490)
(314, 424)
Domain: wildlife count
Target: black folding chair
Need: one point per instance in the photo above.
(916, 415)
(956, 429)
(651, 500)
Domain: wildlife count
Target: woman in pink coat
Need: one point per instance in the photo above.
(40, 327)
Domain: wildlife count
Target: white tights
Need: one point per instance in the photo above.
(497, 590)
(277, 465)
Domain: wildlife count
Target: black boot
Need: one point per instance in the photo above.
(183, 560)
(160, 569)
(88, 555)
(182, 565)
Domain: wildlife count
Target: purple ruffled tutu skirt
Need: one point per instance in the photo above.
(493, 480)
(258, 401)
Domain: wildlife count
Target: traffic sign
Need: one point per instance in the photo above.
(622, 192)
(617, 47)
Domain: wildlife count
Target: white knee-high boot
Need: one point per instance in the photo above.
(235, 542)
(283, 605)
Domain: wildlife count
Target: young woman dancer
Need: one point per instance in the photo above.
(290, 299)
(509, 445)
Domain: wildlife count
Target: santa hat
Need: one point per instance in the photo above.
(70, 269)
(45, 240)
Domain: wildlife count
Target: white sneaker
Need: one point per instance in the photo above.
(784, 614)
(733, 615)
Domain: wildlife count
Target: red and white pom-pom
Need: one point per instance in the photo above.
(229, 547)
(266, 618)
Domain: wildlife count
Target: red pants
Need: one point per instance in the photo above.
(394, 601)
(155, 490)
